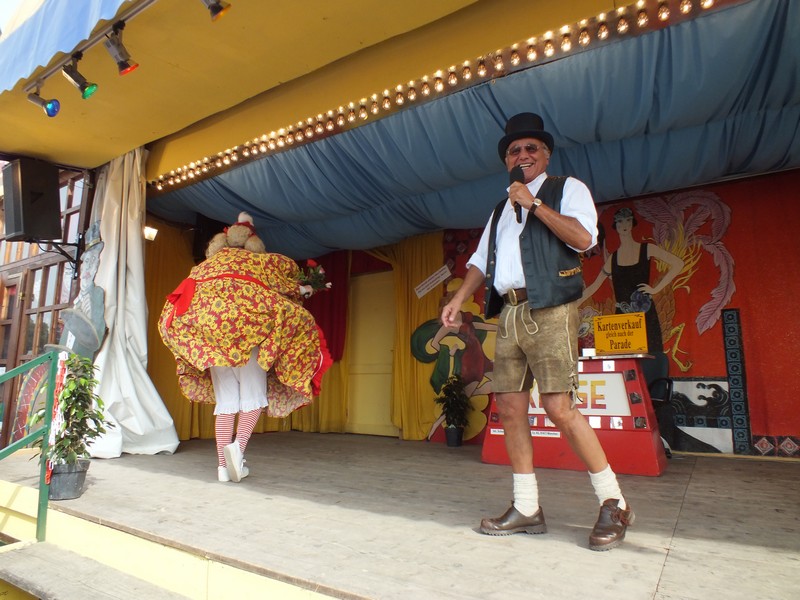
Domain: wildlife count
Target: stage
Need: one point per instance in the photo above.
(355, 516)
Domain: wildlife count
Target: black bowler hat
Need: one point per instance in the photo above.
(524, 125)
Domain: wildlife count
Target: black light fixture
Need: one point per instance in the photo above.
(216, 8)
(70, 71)
(50, 107)
(117, 50)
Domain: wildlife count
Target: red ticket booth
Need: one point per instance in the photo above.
(614, 398)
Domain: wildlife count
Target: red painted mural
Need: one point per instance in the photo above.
(734, 245)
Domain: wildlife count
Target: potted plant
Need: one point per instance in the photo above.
(455, 406)
(80, 420)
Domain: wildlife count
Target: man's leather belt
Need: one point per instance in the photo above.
(516, 296)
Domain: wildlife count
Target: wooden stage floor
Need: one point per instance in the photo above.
(374, 517)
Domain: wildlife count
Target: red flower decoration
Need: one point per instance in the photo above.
(314, 275)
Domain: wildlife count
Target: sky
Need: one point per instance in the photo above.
(7, 10)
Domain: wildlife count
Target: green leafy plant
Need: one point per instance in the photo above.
(454, 402)
(82, 411)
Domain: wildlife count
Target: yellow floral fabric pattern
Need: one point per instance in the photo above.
(241, 300)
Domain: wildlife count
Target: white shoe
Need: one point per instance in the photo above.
(235, 462)
(222, 474)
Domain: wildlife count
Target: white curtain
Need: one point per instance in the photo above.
(142, 424)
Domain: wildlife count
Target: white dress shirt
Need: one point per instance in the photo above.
(576, 202)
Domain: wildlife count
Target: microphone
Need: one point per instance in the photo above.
(516, 174)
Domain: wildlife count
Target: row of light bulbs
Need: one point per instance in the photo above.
(623, 21)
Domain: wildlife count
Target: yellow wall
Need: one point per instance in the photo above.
(9, 592)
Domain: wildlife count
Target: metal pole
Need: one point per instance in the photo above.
(44, 487)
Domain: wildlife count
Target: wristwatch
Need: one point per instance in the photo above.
(536, 204)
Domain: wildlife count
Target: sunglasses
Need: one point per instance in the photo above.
(529, 148)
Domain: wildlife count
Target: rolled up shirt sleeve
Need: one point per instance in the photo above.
(577, 202)
(478, 258)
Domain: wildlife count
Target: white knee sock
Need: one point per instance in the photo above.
(606, 486)
(526, 493)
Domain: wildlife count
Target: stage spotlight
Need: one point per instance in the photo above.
(118, 51)
(50, 107)
(75, 78)
(216, 8)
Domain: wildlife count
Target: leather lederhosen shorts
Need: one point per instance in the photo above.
(540, 343)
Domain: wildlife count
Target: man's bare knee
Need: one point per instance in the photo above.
(512, 406)
(558, 408)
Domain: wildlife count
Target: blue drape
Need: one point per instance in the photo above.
(707, 99)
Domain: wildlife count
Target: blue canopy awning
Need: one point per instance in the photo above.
(56, 27)
(707, 99)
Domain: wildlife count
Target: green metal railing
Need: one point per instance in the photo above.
(43, 432)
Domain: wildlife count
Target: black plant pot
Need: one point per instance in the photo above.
(455, 436)
(66, 481)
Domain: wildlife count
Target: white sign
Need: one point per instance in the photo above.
(432, 281)
(555, 433)
(549, 434)
(600, 394)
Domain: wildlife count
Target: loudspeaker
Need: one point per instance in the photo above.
(32, 202)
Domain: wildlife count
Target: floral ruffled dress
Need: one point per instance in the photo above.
(232, 302)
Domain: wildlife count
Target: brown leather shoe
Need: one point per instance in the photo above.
(514, 521)
(609, 531)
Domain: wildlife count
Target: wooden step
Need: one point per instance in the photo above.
(52, 573)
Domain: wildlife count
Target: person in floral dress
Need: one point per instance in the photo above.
(243, 340)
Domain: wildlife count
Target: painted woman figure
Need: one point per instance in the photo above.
(243, 340)
(629, 270)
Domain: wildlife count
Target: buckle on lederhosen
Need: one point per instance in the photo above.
(514, 297)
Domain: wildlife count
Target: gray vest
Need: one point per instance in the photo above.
(552, 269)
